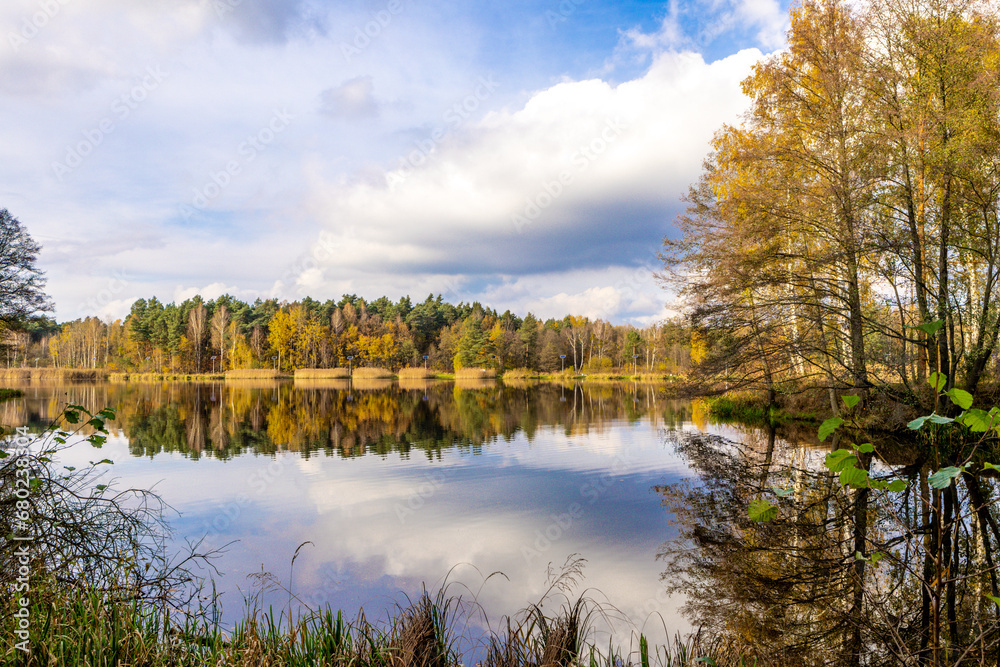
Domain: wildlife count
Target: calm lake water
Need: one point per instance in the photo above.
(398, 486)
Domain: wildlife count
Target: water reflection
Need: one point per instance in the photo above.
(223, 420)
(403, 485)
(798, 590)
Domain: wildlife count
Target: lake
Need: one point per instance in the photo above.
(395, 486)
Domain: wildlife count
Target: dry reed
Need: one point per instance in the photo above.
(372, 372)
(61, 374)
(254, 374)
(520, 374)
(321, 373)
(415, 373)
(475, 373)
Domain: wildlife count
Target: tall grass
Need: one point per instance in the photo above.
(372, 372)
(321, 373)
(415, 373)
(254, 374)
(61, 374)
(520, 374)
(475, 373)
(79, 626)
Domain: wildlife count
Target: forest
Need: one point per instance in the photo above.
(226, 333)
(846, 232)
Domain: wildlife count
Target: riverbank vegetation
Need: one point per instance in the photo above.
(199, 336)
(87, 581)
(846, 233)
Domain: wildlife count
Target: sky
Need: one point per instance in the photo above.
(530, 155)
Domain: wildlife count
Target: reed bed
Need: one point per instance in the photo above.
(255, 374)
(415, 373)
(59, 374)
(521, 374)
(321, 373)
(80, 626)
(475, 373)
(372, 372)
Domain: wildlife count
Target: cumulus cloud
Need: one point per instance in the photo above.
(698, 25)
(459, 181)
(584, 175)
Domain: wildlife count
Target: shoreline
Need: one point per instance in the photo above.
(105, 375)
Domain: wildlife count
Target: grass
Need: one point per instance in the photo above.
(475, 373)
(743, 407)
(26, 374)
(255, 374)
(415, 373)
(80, 626)
(371, 373)
(521, 374)
(321, 373)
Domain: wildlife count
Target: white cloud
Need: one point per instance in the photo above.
(582, 175)
(353, 99)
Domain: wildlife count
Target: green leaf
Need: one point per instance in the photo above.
(930, 328)
(917, 423)
(960, 397)
(783, 493)
(977, 420)
(97, 423)
(107, 413)
(101, 487)
(994, 598)
(850, 401)
(942, 478)
(856, 478)
(866, 448)
(938, 419)
(938, 381)
(837, 460)
(828, 427)
(760, 510)
(897, 485)
(72, 416)
(874, 558)
(712, 663)
(989, 466)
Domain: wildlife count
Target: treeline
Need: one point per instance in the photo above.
(847, 230)
(226, 333)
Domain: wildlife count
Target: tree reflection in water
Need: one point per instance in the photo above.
(803, 589)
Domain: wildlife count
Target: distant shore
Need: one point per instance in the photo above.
(307, 374)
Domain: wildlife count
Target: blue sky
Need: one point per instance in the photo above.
(528, 154)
